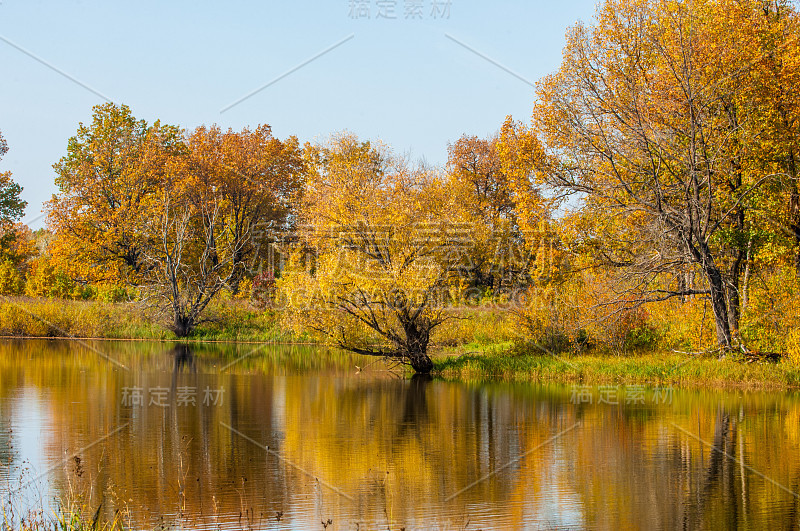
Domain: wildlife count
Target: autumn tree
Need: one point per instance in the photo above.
(488, 209)
(187, 261)
(475, 161)
(112, 170)
(256, 180)
(644, 122)
(11, 207)
(768, 66)
(501, 206)
(379, 231)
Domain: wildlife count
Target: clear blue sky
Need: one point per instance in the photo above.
(401, 80)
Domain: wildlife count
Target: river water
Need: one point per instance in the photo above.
(287, 437)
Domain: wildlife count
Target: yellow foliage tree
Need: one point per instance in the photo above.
(648, 124)
(381, 236)
(11, 210)
(499, 204)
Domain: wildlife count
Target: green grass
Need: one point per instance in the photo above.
(526, 364)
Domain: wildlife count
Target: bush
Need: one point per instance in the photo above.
(11, 282)
(551, 317)
(47, 280)
(773, 312)
(629, 329)
(481, 325)
(110, 293)
(20, 316)
(793, 348)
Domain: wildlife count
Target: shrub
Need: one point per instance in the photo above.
(628, 329)
(110, 293)
(793, 347)
(11, 282)
(773, 311)
(45, 279)
(483, 325)
(551, 317)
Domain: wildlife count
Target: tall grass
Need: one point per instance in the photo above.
(39, 317)
(34, 317)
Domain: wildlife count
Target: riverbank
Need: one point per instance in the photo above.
(486, 346)
(525, 363)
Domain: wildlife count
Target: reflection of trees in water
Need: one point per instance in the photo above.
(720, 491)
(723, 494)
(415, 407)
(405, 447)
(168, 460)
(719, 476)
(398, 447)
(9, 457)
(635, 469)
(183, 358)
(626, 467)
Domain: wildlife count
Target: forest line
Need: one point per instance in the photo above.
(655, 184)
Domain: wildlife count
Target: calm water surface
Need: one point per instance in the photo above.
(290, 437)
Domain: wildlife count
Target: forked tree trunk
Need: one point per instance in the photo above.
(416, 343)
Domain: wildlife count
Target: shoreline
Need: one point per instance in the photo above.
(504, 363)
(162, 340)
(593, 369)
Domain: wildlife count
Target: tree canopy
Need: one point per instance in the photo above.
(653, 121)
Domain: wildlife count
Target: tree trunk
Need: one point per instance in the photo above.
(237, 272)
(234, 284)
(182, 326)
(418, 332)
(719, 306)
(794, 223)
(420, 362)
(718, 298)
(794, 206)
(746, 281)
(734, 295)
(702, 255)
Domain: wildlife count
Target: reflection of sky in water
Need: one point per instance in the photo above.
(29, 426)
(553, 506)
(557, 506)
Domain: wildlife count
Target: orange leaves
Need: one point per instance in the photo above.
(113, 179)
(662, 119)
(107, 182)
(375, 228)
